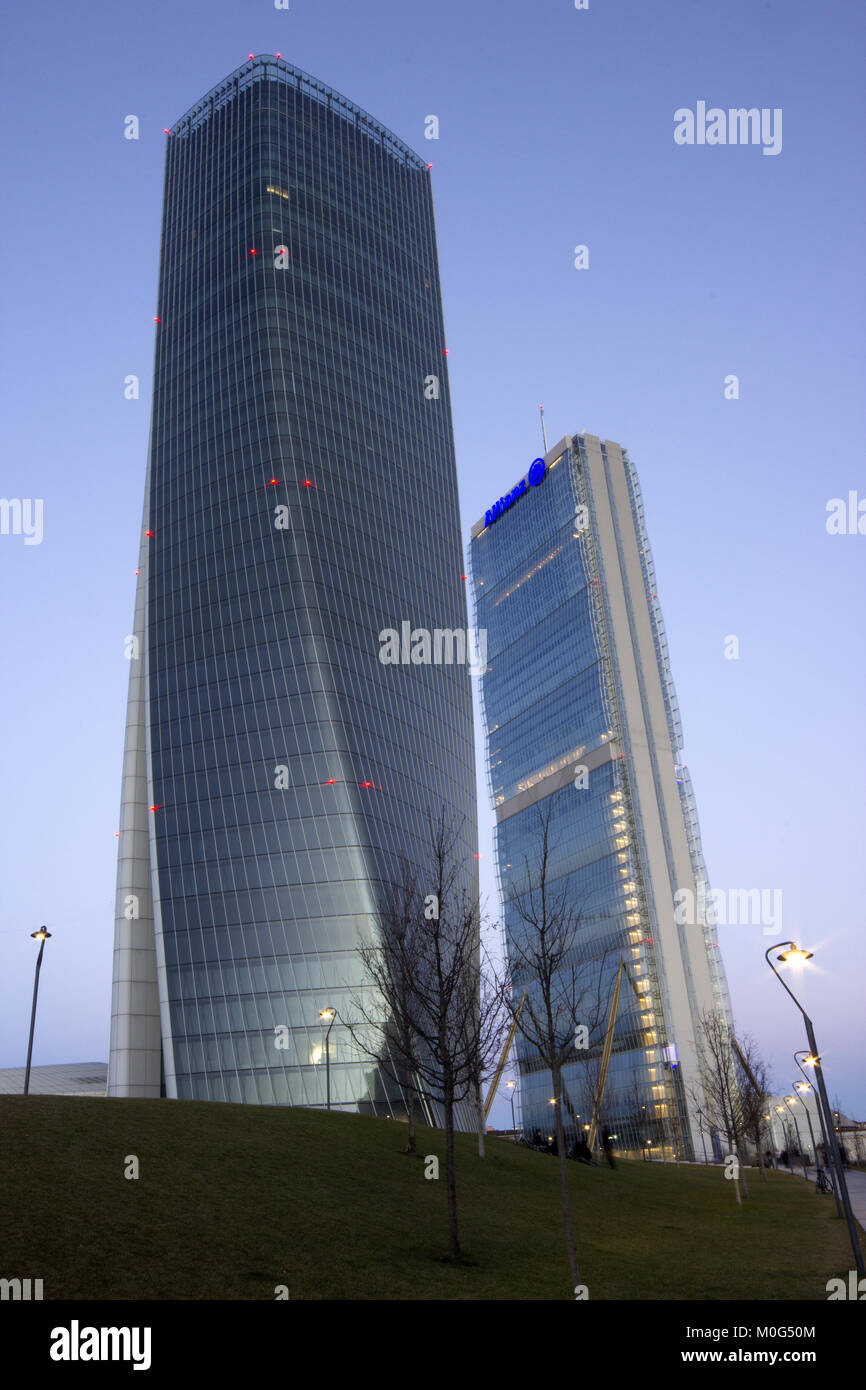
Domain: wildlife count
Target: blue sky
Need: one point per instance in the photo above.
(556, 129)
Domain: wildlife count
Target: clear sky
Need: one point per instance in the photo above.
(555, 130)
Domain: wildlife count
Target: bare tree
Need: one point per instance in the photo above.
(544, 957)
(756, 1087)
(721, 1088)
(454, 1013)
(387, 964)
(444, 1019)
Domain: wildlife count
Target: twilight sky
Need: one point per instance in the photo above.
(556, 129)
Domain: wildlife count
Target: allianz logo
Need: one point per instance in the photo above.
(533, 478)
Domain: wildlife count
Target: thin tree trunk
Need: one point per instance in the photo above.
(761, 1164)
(411, 1147)
(451, 1178)
(479, 1100)
(746, 1192)
(570, 1247)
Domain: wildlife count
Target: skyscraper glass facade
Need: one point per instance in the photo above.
(582, 725)
(276, 770)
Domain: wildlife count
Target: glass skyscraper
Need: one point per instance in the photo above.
(300, 499)
(582, 722)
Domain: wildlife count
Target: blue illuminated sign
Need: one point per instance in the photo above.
(533, 477)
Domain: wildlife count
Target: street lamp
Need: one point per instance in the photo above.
(803, 1086)
(510, 1086)
(702, 1116)
(787, 1138)
(772, 1149)
(328, 1014)
(792, 955)
(792, 1100)
(41, 936)
(809, 1061)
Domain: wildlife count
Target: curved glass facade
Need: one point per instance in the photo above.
(301, 499)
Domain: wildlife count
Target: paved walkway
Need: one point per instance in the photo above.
(856, 1183)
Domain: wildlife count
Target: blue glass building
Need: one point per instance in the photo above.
(582, 722)
(276, 769)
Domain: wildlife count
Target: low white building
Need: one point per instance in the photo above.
(65, 1079)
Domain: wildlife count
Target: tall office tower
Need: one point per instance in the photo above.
(276, 769)
(582, 722)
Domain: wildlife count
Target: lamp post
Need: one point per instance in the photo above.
(792, 1100)
(702, 1116)
(802, 1086)
(792, 955)
(772, 1137)
(41, 936)
(510, 1087)
(786, 1142)
(810, 1062)
(328, 1014)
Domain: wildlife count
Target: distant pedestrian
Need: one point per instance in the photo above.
(537, 1141)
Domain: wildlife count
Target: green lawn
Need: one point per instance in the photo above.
(233, 1200)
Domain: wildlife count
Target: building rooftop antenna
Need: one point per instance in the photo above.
(543, 430)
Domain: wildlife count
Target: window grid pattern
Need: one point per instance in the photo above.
(291, 768)
(550, 690)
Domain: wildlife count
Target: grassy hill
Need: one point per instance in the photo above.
(233, 1200)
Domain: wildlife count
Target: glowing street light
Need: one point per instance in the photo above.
(809, 1061)
(792, 955)
(330, 1014)
(792, 1100)
(41, 936)
(803, 1087)
(510, 1087)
